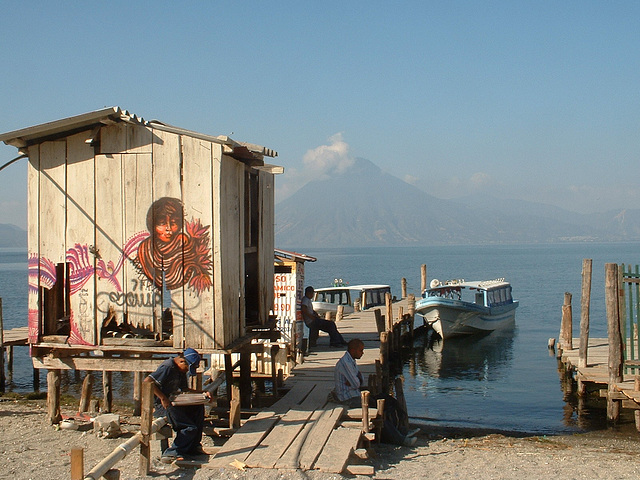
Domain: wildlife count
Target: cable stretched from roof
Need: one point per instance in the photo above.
(12, 161)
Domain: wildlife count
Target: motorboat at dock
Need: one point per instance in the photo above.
(457, 307)
(368, 296)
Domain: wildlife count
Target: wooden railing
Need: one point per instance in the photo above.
(629, 315)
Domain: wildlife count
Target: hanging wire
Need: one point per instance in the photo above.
(12, 161)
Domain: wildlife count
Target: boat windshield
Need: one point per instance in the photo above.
(374, 297)
(453, 293)
(337, 297)
(500, 296)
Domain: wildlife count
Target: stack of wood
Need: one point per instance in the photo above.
(184, 399)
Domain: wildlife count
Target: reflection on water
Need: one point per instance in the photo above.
(471, 357)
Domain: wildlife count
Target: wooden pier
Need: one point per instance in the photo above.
(609, 365)
(303, 430)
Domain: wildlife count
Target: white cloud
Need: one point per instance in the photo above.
(411, 179)
(334, 157)
(480, 180)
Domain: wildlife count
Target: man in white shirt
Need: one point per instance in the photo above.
(348, 383)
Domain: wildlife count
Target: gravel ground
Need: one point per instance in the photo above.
(33, 449)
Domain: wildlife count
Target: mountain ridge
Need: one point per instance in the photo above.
(364, 206)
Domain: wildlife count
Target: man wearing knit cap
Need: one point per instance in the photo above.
(186, 420)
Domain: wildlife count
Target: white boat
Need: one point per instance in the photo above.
(464, 308)
(327, 299)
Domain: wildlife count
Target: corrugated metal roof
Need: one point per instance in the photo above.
(286, 255)
(30, 135)
(59, 128)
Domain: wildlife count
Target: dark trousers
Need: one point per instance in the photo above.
(188, 423)
(335, 338)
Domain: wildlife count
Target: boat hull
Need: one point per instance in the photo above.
(451, 318)
(321, 308)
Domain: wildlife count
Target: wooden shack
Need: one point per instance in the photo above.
(143, 239)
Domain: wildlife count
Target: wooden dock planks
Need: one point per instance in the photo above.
(301, 430)
(335, 455)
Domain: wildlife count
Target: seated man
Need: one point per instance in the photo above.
(315, 322)
(348, 383)
(186, 420)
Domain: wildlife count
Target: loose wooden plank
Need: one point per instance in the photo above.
(335, 455)
(285, 432)
(242, 443)
(321, 432)
(291, 457)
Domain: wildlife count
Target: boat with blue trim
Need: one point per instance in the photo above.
(457, 307)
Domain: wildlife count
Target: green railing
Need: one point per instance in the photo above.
(629, 314)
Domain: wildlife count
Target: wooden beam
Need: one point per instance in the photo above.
(98, 364)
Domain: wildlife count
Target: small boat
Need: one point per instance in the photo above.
(368, 296)
(457, 307)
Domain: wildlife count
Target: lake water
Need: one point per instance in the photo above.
(504, 381)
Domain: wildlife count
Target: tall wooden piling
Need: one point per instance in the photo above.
(85, 397)
(53, 396)
(107, 389)
(384, 361)
(146, 420)
(566, 326)
(615, 363)
(403, 283)
(423, 278)
(585, 304)
(77, 463)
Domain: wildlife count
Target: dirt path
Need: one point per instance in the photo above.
(34, 450)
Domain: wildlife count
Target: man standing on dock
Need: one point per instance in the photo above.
(349, 382)
(315, 322)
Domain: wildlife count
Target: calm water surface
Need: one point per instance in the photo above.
(505, 380)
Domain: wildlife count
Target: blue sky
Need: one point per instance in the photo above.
(533, 100)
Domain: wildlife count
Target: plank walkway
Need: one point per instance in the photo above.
(302, 430)
(597, 369)
(15, 336)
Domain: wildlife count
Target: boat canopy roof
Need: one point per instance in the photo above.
(477, 285)
(351, 287)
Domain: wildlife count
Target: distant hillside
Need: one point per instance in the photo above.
(366, 207)
(12, 236)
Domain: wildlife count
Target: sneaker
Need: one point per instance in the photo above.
(170, 457)
(409, 441)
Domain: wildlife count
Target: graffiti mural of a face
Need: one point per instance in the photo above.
(174, 255)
